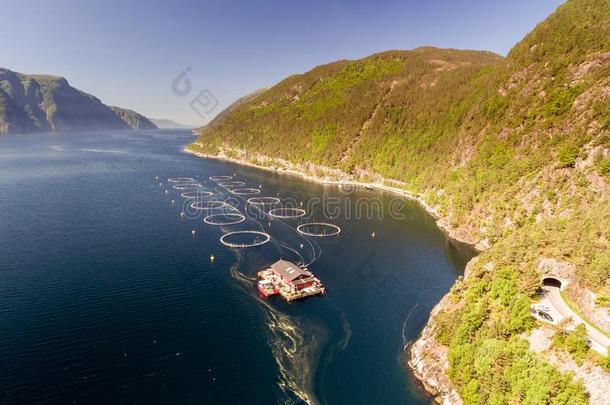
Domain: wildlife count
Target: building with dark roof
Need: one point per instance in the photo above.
(293, 275)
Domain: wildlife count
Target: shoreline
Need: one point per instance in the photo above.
(440, 222)
(426, 359)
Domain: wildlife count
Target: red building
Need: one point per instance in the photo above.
(293, 275)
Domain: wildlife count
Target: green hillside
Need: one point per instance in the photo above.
(30, 103)
(513, 152)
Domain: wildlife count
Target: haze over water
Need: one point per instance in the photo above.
(107, 297)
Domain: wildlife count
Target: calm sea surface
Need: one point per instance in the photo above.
(107, 296)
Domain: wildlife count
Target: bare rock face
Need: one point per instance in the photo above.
(429, 359)
(595, 62)
(540, 339)
(597, 182)
(482, 245)
(429, 362)
(553, 268)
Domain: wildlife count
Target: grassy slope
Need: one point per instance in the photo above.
(511, 151)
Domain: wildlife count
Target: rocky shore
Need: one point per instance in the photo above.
(428, 358)
(429, 363)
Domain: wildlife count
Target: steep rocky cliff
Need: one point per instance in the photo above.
(40, 103)
(133, 119)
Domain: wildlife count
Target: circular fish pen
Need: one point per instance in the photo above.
(196, 194)
(230, 184)
(260, 238)
(229, 219)
(287, 213)
(181, 180)
(209, 205)
(245, 191)
(220, 178)
(263, 201)
(319, 229)
(187, 186)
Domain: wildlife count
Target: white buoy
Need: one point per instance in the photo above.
(193, 231)
(373, 235)
(182, 215)
(160, 184)
(212, 258)
(156, 177)
(301, 246)
(301, 203)
(173, 201)
(165, 191)
(260, 186)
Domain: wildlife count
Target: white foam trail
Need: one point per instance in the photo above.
(405, 342)
(295, 352)
(93, 150)
(296, 355)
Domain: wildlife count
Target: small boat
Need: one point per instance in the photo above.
(267, 288)
(369, 187)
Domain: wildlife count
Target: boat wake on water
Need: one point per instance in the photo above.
(296, 353)
(406, 342)
(296, 345)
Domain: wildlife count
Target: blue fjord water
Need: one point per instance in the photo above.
(106, 296)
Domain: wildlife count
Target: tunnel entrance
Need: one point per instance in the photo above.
(551, 282)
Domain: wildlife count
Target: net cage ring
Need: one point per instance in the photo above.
(220, 178)
(302, 229)
(186, 186)
(209, 205)
(181, 180)
(196, 194)
(230, 184)
(257, 242)
(287, 213)
(245, 191)
(263, 201)
(213, 219)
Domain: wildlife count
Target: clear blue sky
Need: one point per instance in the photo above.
(128, 52)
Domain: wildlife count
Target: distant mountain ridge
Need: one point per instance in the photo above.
(44, 103)
(165, 123)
